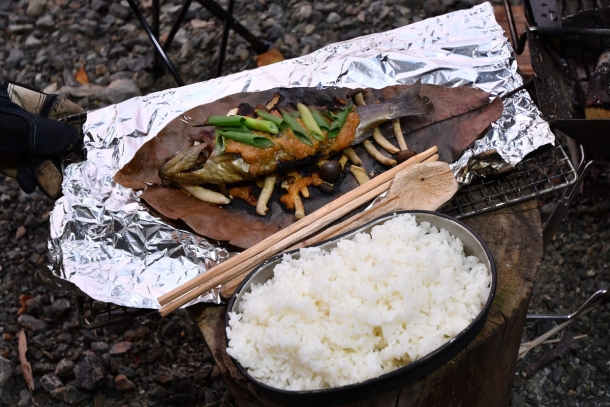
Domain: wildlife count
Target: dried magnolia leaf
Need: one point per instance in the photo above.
(238, 223)
(270, 57)
(25, 365)
(81, 76)
(23, 299)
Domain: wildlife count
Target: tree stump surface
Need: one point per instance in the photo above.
(480, 375)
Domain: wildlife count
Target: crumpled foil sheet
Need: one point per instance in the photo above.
(104, 240)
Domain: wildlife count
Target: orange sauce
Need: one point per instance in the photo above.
(296, 186)
(244, 193)
(287, 147)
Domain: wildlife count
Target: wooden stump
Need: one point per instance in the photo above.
(482, 374)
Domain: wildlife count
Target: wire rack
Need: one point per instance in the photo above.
(542, 172)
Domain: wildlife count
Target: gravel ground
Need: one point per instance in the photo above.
(162, 361)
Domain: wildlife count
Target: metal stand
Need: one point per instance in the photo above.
(162, 61)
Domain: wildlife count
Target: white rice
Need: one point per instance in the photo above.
(373, 304)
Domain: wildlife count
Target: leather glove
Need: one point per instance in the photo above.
(32, 141)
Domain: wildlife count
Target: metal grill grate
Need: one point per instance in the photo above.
(544, 171)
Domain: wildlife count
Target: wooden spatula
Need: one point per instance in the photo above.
(425, 186)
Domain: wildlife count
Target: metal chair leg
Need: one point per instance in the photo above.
(225, 40)
(153, 39)
(259, 45)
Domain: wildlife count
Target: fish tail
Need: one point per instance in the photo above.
(408, 103)
(411, 103)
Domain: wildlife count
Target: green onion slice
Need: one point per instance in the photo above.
(296, 127)
(245, 138)
(310, 123)
(268, 116)
(322, 123)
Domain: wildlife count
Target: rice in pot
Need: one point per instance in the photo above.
(373, 304)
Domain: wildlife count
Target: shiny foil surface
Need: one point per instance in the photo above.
(104, 241)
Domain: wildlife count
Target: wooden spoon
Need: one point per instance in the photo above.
(425, 186)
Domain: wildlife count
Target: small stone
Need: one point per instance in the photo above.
(100, 70)
(310, 29)
(558, 374)
(117, 10)
(36, 7)
(120, 348)
(89, 373)
(64, 368)
(180, 382)
(171, 328)
(123, 383)
(15, 56)
(72, 396)
(59, 393)
(6, 370)
(333, 18)
(20, 232)
(163, 378)
(157, 392)
(46, 23)
(302, 11)
(29, 322)
(434, 7)
(119, 90)
(127, 371)
(186, 51)
(60, 306)
(50, 382)
(99, 347)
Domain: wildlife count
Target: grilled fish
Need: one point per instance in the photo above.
(236, 161)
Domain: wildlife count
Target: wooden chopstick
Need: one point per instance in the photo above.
(285, 238)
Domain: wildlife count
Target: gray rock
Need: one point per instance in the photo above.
(72, 396)
(120, 348)
(50, 382)
(36, 7)
(434, 7)
(30, 323)
(64, 368)
(59, 393)
(82, 91)
(333, 17)
(558, 374)
(186, 50)
(89, 373)
(15, 56)
(119, 90)
(99, 347)
(157, 392)
(143, 79)
(122, 383)
(6, 370)
(101, 6)
(46, 23)
(90, 27)
(180, 382)
(127, 371)
(25, 398)
(117, 10)
(60, 306)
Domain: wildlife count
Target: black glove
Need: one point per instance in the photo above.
(31, 141)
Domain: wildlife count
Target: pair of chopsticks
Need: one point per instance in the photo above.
(234, 269)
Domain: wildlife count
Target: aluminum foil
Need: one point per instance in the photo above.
(104, 240)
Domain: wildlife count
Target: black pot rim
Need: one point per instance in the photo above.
(412, 371)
